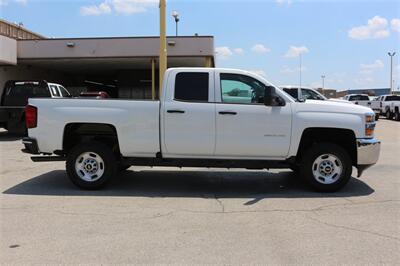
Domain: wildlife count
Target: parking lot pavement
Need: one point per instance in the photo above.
(157, 215)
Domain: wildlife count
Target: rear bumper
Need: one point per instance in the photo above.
(31, 146)
(368, 151)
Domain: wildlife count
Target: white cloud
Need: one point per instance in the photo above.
(261, 49)
(295, 51)
(395, 24)
(22, 2)
(103, 8)
(259, 72)
(223, 52)
(125, 7)
(283, 2)
(238, 50)
(376, 28)
(368, 81)
(375, 65)
(3, 2)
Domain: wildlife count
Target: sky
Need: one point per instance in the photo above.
(345, 41)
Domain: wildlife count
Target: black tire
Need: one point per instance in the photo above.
(388, 115)
(376, 117)
(309, 161)
(123, 167)
(397, 115)
(106, 164)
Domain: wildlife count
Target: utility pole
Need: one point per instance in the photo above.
(391, 70)
(163, 45)
(299, 92)
(323, 82)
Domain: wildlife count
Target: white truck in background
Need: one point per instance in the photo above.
(364, 100)
(206, 117)
(389, 106)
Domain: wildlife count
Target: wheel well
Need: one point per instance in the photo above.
(342, 137)
(75, 133)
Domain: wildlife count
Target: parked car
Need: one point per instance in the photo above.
(198, 123)
(94, 94)
(307, 94)
(389, 106)
(364, 100)
(15, 97)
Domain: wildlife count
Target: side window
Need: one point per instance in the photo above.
(54, 91)
(241, 89)
(63, 91)
(192, 86)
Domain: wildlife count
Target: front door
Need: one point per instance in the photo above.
(246, 128)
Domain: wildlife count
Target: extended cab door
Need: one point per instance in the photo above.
(246, 128)
(188, 114)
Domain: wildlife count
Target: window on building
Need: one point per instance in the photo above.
(191, 86)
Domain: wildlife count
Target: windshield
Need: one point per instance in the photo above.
(311, 95)
(359, 98)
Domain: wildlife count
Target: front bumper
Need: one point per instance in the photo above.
(367, 153)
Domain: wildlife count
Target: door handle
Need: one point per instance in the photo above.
(227, 113)
(175, 111)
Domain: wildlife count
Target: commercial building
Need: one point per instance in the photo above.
(370, 92)
(124, 67)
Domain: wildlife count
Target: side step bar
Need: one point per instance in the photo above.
(48, 158)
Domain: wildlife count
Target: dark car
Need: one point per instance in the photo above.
(15, 97)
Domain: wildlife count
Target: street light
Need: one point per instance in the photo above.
(391, 70)
(323, 82)
(175, 14)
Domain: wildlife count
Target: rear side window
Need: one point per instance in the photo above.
(191, 86)
(392, 98)
(291, 92)
(359, 98)
(17, 95)
(55, 91)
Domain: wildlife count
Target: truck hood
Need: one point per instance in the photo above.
(333, 107)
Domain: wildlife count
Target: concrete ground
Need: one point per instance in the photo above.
(192, 216)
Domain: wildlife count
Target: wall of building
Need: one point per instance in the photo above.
(8, 51)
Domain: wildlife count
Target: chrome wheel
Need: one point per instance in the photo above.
(327, 169)
(89, 166)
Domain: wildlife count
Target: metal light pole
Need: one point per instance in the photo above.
(323, 82)
(163, 44)
(391, 70)
(299, 92)
(175, 14)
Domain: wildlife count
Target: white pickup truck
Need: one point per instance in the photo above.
(206, 118)
(390, 106)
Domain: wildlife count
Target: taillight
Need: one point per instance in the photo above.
(30, 116)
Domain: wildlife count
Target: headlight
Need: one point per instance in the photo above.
(369, 125)
(370, 118)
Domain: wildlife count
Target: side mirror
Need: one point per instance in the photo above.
(269, 94)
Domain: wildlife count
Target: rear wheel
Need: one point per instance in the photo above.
(91, 165)
(388, 115)
(326, 167)
(397, 115)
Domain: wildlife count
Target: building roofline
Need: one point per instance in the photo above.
(22, 28)
(122, 37)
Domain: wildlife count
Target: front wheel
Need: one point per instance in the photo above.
(326, 167)
(91, 165)
(388, 115)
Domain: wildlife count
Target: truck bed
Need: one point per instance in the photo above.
(136, 122)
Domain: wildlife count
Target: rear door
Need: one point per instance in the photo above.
(188, 114)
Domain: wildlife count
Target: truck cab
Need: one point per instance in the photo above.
(206, 117)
